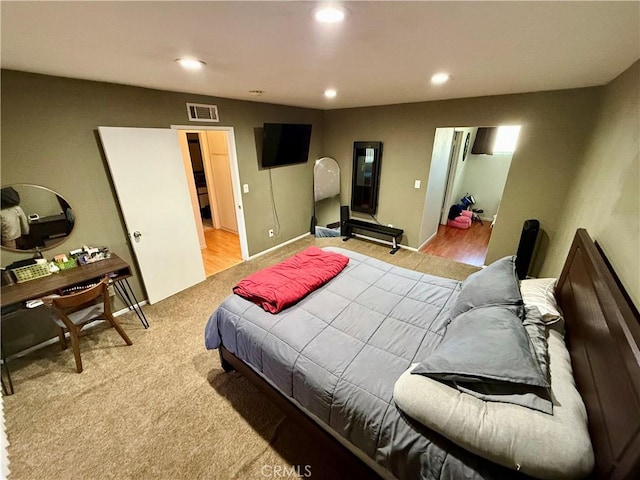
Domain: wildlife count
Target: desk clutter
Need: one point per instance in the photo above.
(30, 271)
(38, 267)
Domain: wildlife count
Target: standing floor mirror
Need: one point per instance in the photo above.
(326, 198)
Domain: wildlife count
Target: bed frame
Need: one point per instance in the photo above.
(603, 338)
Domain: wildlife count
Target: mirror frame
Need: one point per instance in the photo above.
(46, 247)
(364, 198)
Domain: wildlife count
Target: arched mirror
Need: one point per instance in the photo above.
(34, 217)
(326, 197)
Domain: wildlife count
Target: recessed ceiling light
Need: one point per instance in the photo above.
(331, 14)
(190, 63)
(330, 93)
(440, 78)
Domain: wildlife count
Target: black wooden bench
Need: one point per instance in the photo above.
(351, 224)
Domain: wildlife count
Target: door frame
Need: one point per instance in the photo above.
(435, 188)
(235, 180)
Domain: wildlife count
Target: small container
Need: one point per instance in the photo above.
(31, 272)
(7, 278)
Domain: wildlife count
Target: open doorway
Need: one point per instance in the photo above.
(207, 159)
(200, 178)
(469, 169)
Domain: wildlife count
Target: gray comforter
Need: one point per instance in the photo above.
(339, 352)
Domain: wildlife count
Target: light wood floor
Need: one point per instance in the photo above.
(222, 252)
(465, 246)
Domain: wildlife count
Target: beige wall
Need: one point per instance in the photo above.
(555, 127)
(604, 196)
(49, 138)
(484, 177)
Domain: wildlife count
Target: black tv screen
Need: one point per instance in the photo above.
(285, 144)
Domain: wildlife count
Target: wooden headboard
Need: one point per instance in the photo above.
(603, 337)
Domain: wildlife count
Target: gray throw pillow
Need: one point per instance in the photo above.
(496, 284)
(486, 352)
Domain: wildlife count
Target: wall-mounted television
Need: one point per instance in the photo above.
(285, 144)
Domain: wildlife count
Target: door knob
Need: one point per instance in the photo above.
(137, 234)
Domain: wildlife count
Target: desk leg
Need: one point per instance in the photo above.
(121, 287)
(5, 366)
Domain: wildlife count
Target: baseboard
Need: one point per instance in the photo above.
(428, 240)
(124, 310)
(280, 245)
(53, 340)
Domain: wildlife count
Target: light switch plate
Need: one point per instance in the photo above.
(245, 188)
(416, 184)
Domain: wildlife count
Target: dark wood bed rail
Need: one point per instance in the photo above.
(603, 337)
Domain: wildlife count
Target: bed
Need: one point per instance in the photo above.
(332, 363)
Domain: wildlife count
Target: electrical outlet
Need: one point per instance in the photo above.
(270, 232)
(390, 225)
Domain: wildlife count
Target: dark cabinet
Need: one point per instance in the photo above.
(365, 176)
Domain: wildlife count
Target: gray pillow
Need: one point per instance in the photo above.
(537, 331)
(486, 352)
(496, 284)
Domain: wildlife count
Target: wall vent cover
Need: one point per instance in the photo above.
(199, 112)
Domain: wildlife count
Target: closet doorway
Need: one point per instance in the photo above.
(207, 159)
(469, 169)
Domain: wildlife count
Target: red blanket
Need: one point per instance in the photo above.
(283, 284)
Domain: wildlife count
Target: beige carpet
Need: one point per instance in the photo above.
(163, 408)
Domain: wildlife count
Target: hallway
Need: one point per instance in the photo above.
(465, 246)
(222, 252)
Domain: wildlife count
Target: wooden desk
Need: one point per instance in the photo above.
(118, 270)
(116, 267)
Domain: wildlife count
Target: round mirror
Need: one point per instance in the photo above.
(34, 217)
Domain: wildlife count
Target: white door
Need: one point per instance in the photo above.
(222, 184)
(442, 146)
(150, 181)
(451, 177)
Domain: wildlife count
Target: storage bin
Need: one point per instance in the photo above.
(31, 272)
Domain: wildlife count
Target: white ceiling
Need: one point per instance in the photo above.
(384, 53)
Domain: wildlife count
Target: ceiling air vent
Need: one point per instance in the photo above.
(202, 113)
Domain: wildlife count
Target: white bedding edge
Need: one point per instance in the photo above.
(539, 445)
